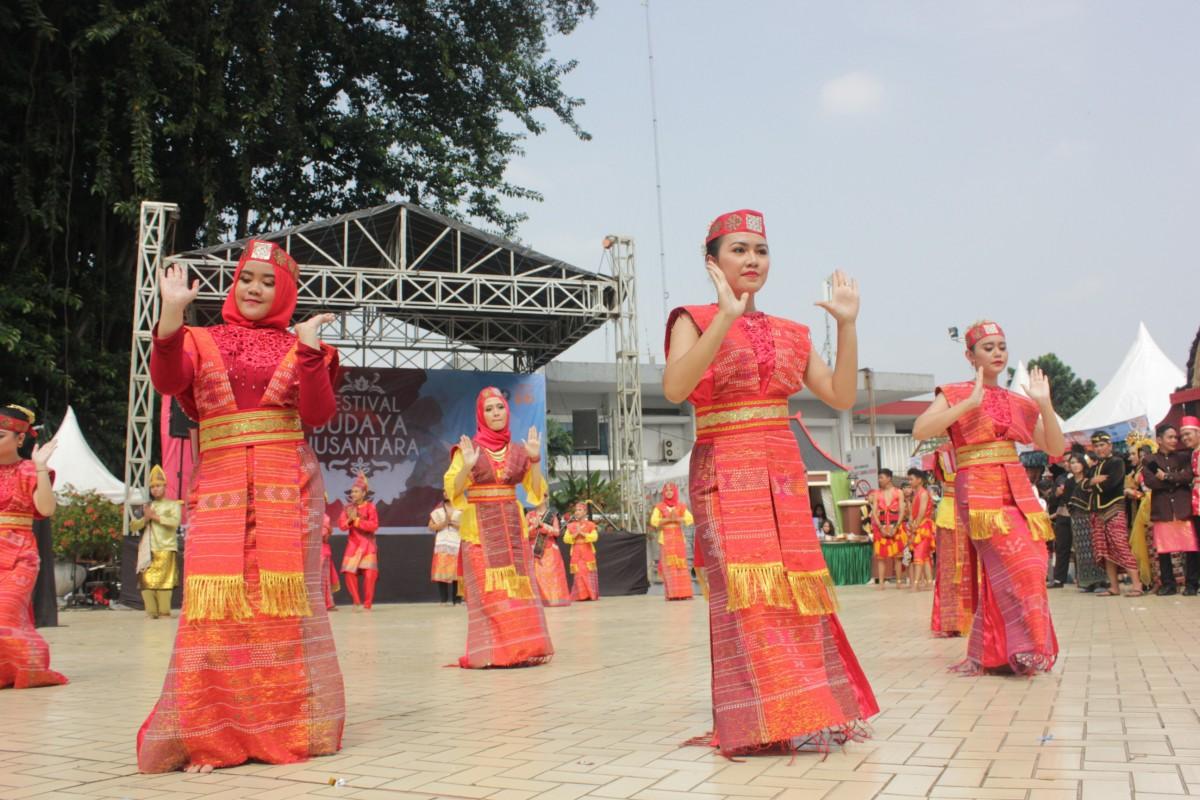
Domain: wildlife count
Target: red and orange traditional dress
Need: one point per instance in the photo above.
(506, 626)
(362, 551)
(1008, 529)
(548, 568)
(581, 535)
(254, 674)
(24, 654)
(783, 671)
(888, 503)
(668, 518)
(954, 585)
(921, 530)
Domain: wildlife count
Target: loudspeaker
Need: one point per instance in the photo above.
(585, 429)
(670, 450)
(179, 424)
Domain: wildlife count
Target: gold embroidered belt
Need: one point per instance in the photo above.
(743, 415)
(18, 521)
(249, 428)
(491, 493)
(974, 455)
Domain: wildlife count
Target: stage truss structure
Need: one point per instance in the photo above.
(411, 288)
(625, 461)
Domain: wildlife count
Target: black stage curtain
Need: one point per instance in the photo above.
(131, 595)
(621, 562)
(45, 604)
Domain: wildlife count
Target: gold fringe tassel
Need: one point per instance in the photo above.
(677, 562)
(1040, 526)
(814, 592)
(284, 594)
(758, 584)
(506, 579)
(216, 597)
(983, 522)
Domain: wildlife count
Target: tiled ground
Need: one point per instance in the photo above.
(1116, 719)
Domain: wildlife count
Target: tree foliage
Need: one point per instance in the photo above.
(249, 115)
(1069, 393)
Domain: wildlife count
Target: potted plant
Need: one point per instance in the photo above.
(86, 530)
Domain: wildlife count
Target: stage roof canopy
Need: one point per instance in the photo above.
(416, 289)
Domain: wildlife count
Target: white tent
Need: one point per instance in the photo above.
(75, 464)
(1139, 392)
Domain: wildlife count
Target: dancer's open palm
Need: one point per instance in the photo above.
(173, 286)
(1038, 388)
(533, 443)
(470, 453)
(727, 302)
(843, 300)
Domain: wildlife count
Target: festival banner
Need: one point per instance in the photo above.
(398, 425)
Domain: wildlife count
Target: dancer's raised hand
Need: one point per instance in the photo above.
(470, 453)
(727, 302)
(174, 289)
(976, 398)
(843, 300)
(308, 332)
(1038, 388)
(533, 443)
(41, 454)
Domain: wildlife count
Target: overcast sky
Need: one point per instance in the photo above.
(1029, 161)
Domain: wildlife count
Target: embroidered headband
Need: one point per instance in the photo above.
(272, 253)
(1100, 437)
(19, 425)
(1189, 423)
(741, 221)
(982, 330)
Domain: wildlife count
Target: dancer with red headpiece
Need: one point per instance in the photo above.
(329, 572)
(783, 673)
(506, 626)
(361, 519)
(254, 674)
(582, 535)
(26, 494)
(548, 562)
(1012, 630)
(668, 518)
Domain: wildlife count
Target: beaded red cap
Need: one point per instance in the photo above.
(741, 221)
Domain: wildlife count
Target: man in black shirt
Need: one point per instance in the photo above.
(1110, 528)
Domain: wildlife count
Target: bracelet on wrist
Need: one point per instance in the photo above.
(535, 460)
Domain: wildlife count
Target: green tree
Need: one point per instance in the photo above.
(1069, 392)
(250, 115)
(559, 444)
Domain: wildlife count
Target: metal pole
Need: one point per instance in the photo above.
(662, 250)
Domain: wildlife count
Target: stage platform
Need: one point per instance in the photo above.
(1118, 715)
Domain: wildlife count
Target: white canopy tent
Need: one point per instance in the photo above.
(75, 464)
(1137, 396)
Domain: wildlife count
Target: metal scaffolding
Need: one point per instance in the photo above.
(625, 445)
(411, 289)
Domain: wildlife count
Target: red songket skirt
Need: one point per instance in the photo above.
(922, 542)
(954, 585)
(779, 676)
(502, 631)
(673, 566)
(24, 654)
(263, 689)
(1012, 629)
(362, 552)
(552, 576)
(585, 584)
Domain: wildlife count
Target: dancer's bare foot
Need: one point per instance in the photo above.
(201, 769)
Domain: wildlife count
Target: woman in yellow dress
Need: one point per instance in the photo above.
(158, 551)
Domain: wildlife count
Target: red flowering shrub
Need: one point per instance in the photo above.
(87, 527)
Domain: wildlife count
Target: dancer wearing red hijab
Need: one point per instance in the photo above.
(26, 494)
(506, 626)
(361, 519)
(783, 673)
(254, 674)
(581, 535)
(1012, 630)
(548, 565)
(668, 518)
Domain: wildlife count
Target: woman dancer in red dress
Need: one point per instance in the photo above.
(26, 494)
(783, 673)
(360, 518)
(254, 674)
(506, 626)
(1012, 630)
